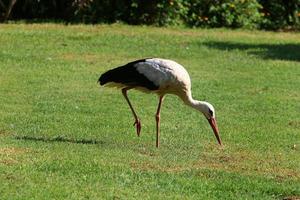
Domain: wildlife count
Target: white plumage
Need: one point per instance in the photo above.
(162, 72)
(159, 76)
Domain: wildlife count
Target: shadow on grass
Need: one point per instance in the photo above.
(59, 139)
(289, 52)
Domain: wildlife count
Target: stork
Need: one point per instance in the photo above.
(160, 76)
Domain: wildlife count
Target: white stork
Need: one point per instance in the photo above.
(162, 77)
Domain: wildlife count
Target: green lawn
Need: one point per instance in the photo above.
(64, 137)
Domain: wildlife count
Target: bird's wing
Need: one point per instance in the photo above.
(127, 76)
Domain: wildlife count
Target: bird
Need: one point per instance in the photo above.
(159, 76)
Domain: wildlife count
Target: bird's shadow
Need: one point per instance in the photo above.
(288, 51)
(59, 139)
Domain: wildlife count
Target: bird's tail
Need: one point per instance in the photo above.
(113, 75)
(103, 79)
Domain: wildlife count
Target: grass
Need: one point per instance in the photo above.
(61, 137)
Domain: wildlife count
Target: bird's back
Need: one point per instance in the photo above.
(173, 77)
(155, 74)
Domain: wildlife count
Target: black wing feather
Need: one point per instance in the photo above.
(127, 75)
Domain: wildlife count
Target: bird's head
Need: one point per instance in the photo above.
(209, 112)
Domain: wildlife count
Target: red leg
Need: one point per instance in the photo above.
(137, 122)
(157, 117)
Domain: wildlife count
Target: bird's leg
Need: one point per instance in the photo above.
(157, 117)
(137, 122)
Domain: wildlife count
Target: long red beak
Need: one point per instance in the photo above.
(214, 126)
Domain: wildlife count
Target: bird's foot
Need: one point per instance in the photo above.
(138, 126)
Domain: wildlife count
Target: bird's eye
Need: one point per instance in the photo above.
(210, 112)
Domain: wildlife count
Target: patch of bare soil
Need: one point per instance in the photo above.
(7, 154)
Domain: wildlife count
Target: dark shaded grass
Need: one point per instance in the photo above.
(288, 52)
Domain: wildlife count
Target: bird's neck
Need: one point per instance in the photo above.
(198, 105)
